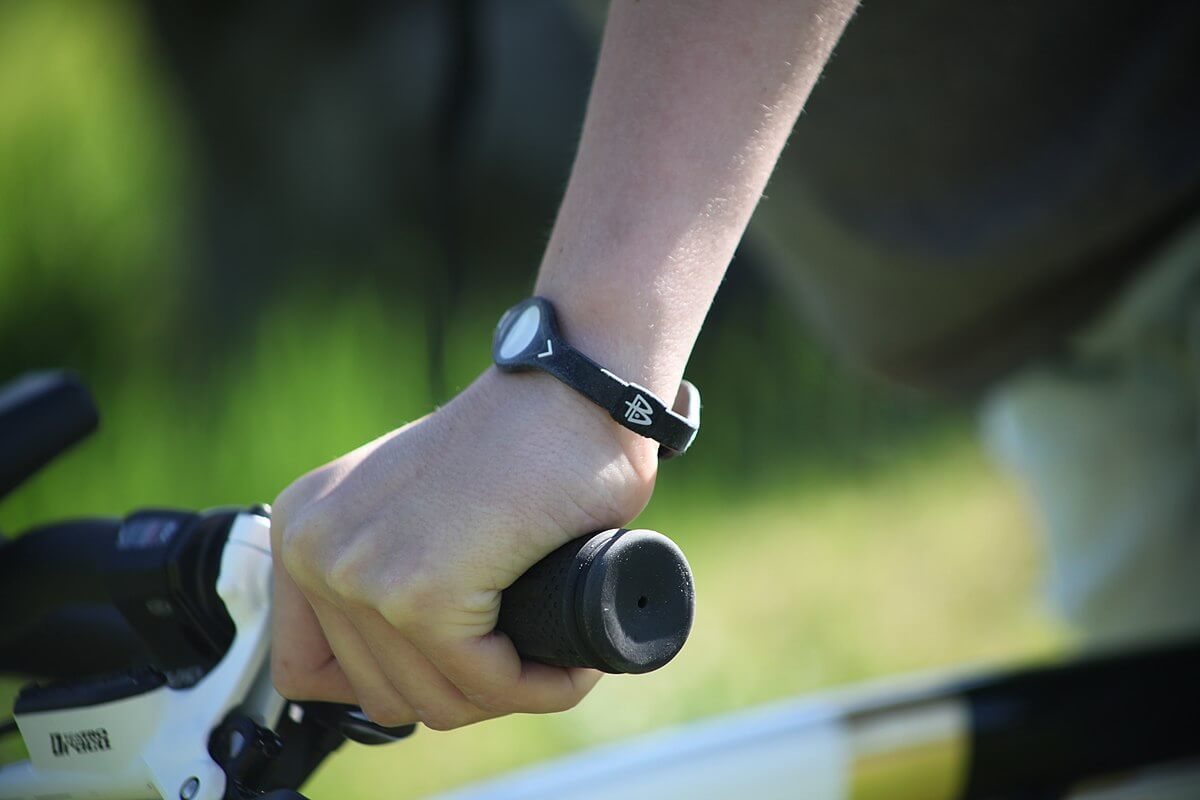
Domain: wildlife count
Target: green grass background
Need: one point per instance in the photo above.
(838, 532)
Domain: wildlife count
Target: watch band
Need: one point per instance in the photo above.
(527, 338)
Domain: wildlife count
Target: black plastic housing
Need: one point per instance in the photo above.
(156, 569)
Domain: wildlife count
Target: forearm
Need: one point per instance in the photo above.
(391, 560)
(690, 108)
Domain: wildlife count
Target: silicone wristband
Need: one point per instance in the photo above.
(527, 338)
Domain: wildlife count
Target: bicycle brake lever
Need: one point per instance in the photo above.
(355, 726)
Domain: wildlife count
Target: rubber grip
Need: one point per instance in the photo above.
(620, 601)
(41, 415)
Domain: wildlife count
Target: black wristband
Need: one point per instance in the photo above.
(527, 338)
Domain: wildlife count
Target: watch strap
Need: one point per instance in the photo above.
(527, 338)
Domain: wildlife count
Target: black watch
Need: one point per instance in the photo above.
(527, 338)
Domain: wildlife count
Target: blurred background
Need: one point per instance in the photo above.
(264, 238)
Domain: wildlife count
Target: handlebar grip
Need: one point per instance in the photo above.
(41, 415)
(620, 601)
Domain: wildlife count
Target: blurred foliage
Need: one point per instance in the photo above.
(105, 267)
(90, 185)
(219, 388)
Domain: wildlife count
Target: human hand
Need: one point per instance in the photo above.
(390, 561)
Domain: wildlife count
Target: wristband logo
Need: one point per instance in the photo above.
(638, 411)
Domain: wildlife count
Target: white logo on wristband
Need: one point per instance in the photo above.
(639, 410)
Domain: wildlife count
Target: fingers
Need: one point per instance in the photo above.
(386, 584)
(370, 663)
(490, 674)
(303, 667)
(437, 702)
(373, 690)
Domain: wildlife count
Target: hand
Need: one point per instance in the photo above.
(389, 561)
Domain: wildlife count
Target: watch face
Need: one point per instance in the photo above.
(521, 332)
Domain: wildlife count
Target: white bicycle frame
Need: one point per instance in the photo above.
(815, 749)
(809, 748)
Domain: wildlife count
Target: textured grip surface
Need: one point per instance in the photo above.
(618, 601)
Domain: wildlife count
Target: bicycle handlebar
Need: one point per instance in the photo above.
(160, 625)
(41, 415)
(620, 601)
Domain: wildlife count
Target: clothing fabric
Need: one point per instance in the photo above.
(971, 181)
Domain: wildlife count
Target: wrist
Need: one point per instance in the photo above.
(630, 336)
(562, 417)
(528, 338)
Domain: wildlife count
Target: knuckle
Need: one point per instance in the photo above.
(444, 721)
(409, 602)
(300, 544)
(284, 506)
(345, 579)
(439, 724)
(493, 701)
(298, 494)
(565, 703)
(388, 712)
(288, 681)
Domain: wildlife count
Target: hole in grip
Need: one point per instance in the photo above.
(620, 601)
